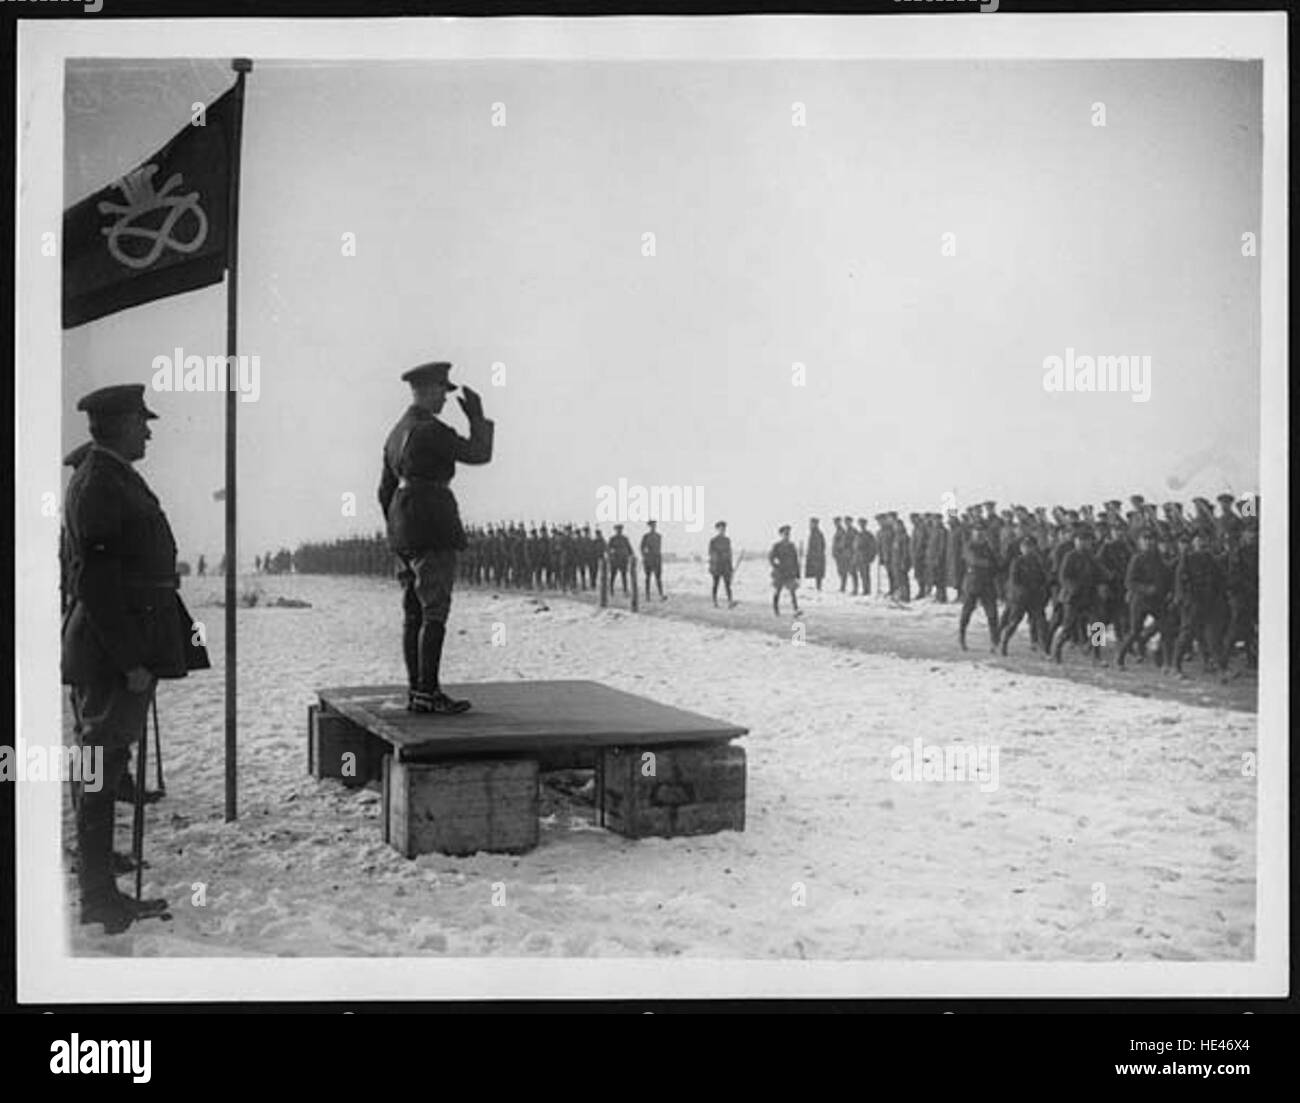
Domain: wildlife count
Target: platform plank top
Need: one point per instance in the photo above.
(517, 717)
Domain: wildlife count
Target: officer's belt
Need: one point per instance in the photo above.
(155, 582)
(421, 480)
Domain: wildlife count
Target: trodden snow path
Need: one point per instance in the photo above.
(1120, 828)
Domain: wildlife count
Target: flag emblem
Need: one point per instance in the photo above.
(141, 200)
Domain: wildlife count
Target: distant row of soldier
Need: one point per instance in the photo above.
(557, 557)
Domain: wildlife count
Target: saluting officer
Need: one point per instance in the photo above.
(424, 527)
(125, 626)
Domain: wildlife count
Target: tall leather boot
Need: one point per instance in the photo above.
(429, 698)
(101, 902)
(411, 652)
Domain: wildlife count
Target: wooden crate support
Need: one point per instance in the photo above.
(682, 789)
(461, 807)
(332, 736)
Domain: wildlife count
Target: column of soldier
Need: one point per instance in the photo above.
(1188, 582)
(557, 557)
(1185, 583)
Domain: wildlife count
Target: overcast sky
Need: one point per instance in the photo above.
(774, 244)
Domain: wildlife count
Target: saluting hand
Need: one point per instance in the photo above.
(471, 403)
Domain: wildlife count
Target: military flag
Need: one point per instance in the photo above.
(160, 230)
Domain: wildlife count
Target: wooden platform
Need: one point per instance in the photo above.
(468, 782)
(521, 717)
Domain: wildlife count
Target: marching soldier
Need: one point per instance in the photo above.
(424, 527)
(720, 566)
(1078, 577)
(1200, 595)
(125, 627)
(1027, 594)
(1147, 581)
(815, 557)
(1243, 592)
(652, 559)
(980, 587)
(785, 571)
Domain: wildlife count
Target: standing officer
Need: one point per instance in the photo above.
(814, 563)
(720, 566)
(620, 554)
(901, 558)
(785, 570)
(424, 528)
(864, 554)
(840, 542)
(936, 557)
(125, 627)
(652, 559)
(920, 537)
(956, 566)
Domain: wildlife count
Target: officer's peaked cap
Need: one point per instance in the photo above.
(125, 398)
(435, 371)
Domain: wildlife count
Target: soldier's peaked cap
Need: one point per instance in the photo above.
(435, 371)
(1226, 497)
(125, 398)
(784, 528)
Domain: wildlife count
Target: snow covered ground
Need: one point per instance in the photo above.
(1120, 827)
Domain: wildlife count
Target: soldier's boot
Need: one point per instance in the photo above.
(101, 902)
(961, 631)
(429, 698)
(411, 653)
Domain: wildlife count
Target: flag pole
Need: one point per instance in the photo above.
(241, 66)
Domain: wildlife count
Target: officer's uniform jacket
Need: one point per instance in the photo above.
(720, 555)
(1147, 578)
(815, 560)
(864, 548)
(620, 549)
(1028, 579)
(124, 608)
(784, 560)
(420, 457)
(650, 549)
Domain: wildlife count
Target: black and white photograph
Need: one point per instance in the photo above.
(731, 507)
